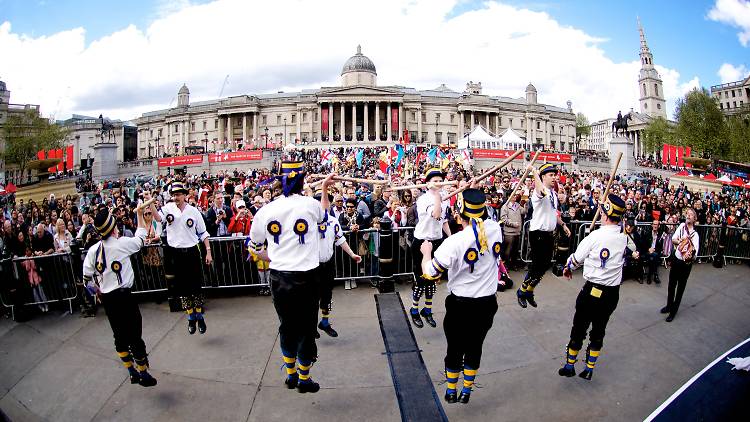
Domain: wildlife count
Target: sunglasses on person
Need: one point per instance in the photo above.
(350, 206)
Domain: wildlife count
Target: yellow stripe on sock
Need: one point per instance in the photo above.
(123, 354)
(189, 311)
(128, 364)
(530, 288)
(468, 384)
(470, 372)
(452, 374)
(199, 309)
(290, 371)
(141, 368)
(304, 367)
(595, 353)
(304, 377)
(451, 385)
(289, 360)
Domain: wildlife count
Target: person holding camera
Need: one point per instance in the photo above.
(218, 217)
(686, 240)
(240, 223)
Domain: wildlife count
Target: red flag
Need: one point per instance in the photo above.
(687, 154)
(59, 154)
(664, 154)
(40, 155)
(51, 154)
(680, 151)
(672, 155)
(69, 157)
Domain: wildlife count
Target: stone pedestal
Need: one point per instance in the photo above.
(617, 145)
(105, 162)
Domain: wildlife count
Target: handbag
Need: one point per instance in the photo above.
(686, 247)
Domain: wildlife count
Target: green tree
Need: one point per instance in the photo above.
(656, 134)
(583, 128)
(701, 125)
(738, 134)
(28, 133)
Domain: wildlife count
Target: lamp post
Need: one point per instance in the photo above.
(437, 120)
(284, 140)
(157, 146)
(205, 141)
(266, 130)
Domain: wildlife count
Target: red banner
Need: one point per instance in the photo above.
(69, 157)
(665, 154)
(51, 154)
(324, 120)
(252, 155)
(40, 155)
(687, 154)
(394, 121)
(673, 155)
(183, 160)
(680, 153)
(502, 153)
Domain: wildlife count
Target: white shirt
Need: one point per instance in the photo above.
(116, 251)
(427, 227)
(544, 217)
(330, 236)
(683, 231)
(286, 249)
(602, 254)
(184, 228)
(452, 256)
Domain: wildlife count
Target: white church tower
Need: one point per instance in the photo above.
(649, 82)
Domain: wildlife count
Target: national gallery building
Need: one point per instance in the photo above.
(357, 112)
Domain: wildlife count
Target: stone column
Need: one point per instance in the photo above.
(497, 124)
(255, 129)
(312, 123)
(354, 121)
(419, 125)
(244, 128)
(330, 122)
(471, 121)
(299, 125)
(342, 127)
(460, 125)
(388, 122)
(222, 131)
(487, 121)
(401, 121)
(229, 129)
(377, 121)
(366, 122)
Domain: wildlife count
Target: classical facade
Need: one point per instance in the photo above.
(358, 111)
(733, 96)
(8, 109)
(652, 105)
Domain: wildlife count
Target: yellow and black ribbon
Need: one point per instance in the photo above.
(117, 269)
(471, 257)
(274, 227)
(300, 228)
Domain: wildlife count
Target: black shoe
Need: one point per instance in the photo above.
(586, 374)
(664, 310)
(291, 382)
(451, 397)
(428, 317)
(670, 318)
(191, 326)
(564, 372)
(521, 296)
(656, 279)
(135, 378)
(639, 280)
(327, 329)
(648, 280)
(309, 386)
(464, 397)
(416, 319)
(146, 380)
(202, 326)
(530, 299)
(508, 282)
(500, 287)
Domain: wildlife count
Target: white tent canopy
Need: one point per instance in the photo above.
(511, 140)
(478, 138)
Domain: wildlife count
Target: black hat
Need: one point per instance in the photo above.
(547, 168)
(178, 187)
(433, 172)
(104, 222)
(470, 204)
(614, 206)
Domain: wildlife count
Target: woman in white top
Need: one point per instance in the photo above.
(685, 240)
(61, 237)
(396, 213)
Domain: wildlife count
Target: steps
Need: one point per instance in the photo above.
(42, 190)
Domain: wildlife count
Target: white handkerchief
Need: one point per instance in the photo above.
(740, 363)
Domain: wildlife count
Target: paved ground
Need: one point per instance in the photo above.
(61, 367)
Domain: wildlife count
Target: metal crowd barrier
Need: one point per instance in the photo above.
(57, 281)
(232, 266)
(737, 243)
(366, 243)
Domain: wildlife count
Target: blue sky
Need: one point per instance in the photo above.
(580, 50)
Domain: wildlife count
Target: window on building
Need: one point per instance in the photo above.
(192, 126)
(451, 137)
(176, 128)
(315, 116)
(552, 145)
(424, 117)
(733, 94)
(721, 106)
(510, 122)
(413, 116)
(645, 106)
(204, 125)
(734, 104)
(644, 90)
(562, 146)
(278, 119)
(216, 123)
(453, 118)
(538, 125)
(151, 133)
(742, 103)
(424, 136)
(264, 119)
(656, 89)
(658, 106)
(294, 118)
(304, 117)
(413, 136)
(159, 135)
(553, 128)
(726, 94)
(439, 137)
(437, 117)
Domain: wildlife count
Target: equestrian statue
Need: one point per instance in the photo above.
(621, 123)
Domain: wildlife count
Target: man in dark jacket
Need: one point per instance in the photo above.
(218, 216)
(653, 242)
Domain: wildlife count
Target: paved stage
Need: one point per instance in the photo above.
(60, 367)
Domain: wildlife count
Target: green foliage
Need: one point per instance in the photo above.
(738, 134)
(701, 125)
(583, 128)
(656, 134)
(26, 134)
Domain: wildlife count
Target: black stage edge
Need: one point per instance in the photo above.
(416, 396)
(717, 393)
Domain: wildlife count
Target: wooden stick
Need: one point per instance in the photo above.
(521, 180)
(347, 179)
(606, 191)
(424, 185)
(145, 204)
(487, 173)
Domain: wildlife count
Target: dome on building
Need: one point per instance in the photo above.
(530, 88)
(184, 90)
(359, 63)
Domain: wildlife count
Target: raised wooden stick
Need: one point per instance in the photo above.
(145, 204)
(606, 191)
(347, 179)
(487, 173)
(521, 180)
(424, 185)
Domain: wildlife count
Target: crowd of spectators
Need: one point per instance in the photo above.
(229, 201)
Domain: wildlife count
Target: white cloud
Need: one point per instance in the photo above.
(730, 73)
(734, 13)
(294, 44)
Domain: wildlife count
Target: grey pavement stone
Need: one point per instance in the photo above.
(21, 349)
(6, 324)
(60, 324)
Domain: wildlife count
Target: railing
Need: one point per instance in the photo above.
(372, 247)
(38, 280)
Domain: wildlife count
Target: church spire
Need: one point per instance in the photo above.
(650, 83)
(647, 59)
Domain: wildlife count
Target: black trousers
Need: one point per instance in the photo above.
(416, 255)
(295, 297)
(678, 277)
(326, 274)
(595, 312)
(542, 244)
(654, 260)
(183, 268)
(125, 319)
(466, 323)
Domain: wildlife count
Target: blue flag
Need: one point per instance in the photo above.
(432, 154)
(359, 156)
